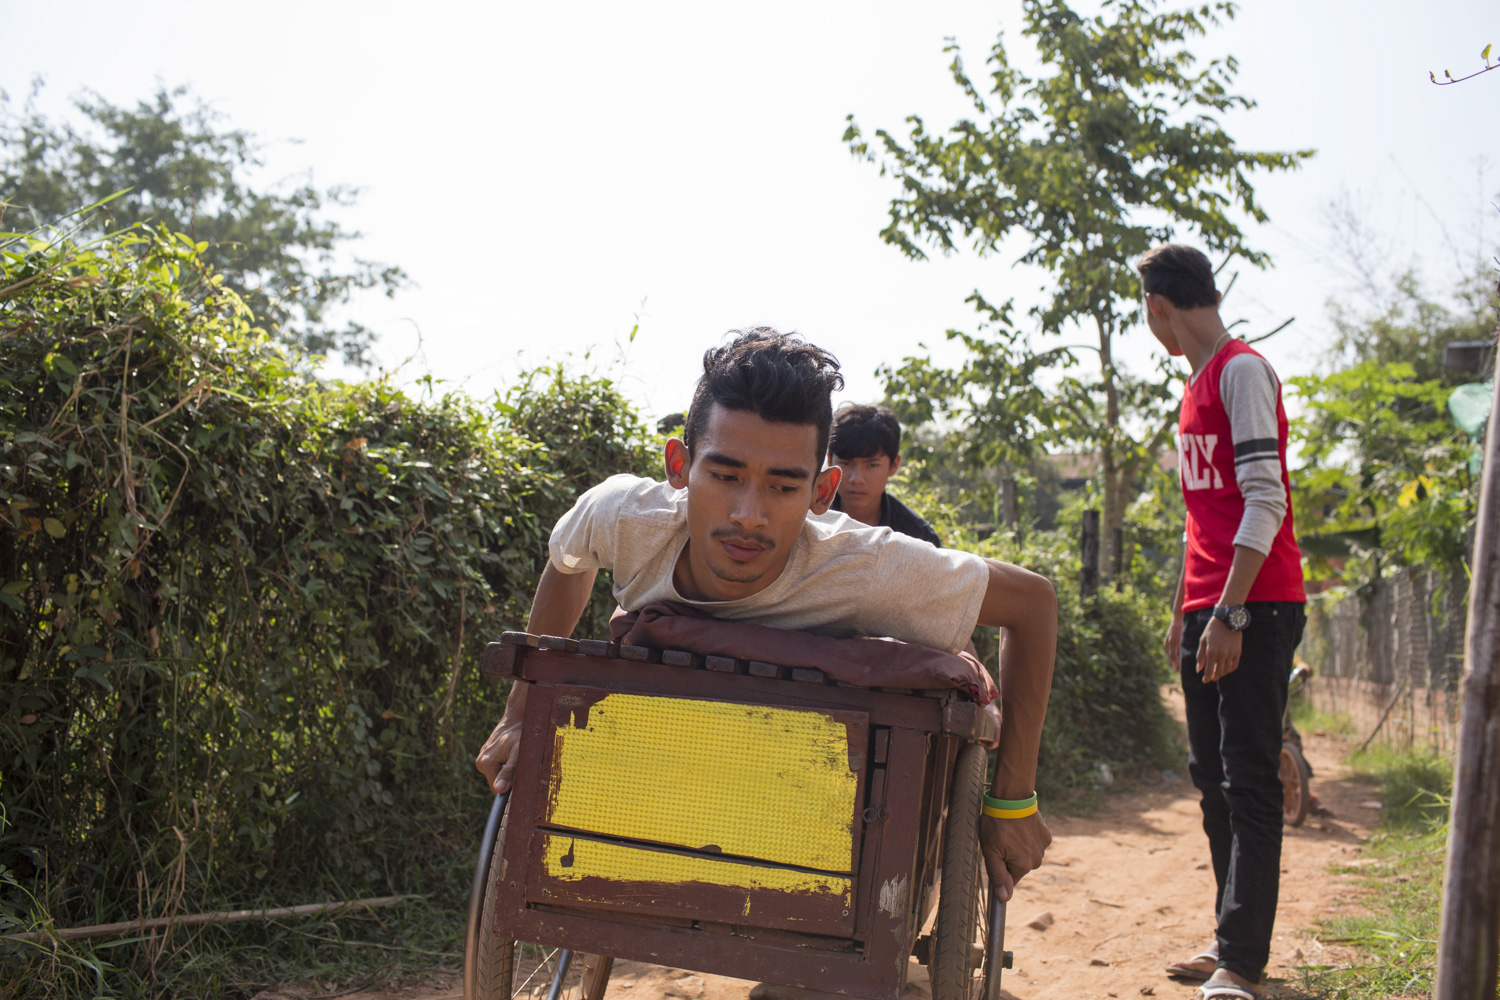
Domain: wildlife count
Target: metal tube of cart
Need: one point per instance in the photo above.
(564, 963)
(994, 959)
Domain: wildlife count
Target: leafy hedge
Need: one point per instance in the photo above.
(1106, 705)
(243, 609)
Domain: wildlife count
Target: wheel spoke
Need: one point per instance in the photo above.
(541, 967)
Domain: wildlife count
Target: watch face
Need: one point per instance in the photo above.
(1238, 618)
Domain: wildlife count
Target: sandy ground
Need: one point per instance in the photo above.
(1129, 890)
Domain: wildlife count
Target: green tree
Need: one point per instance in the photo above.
(1407, 325)
(1384, 468)
(181, 168)
(1115, 150)
(1385, 473)
(990, 409)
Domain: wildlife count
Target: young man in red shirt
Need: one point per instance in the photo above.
(1239, 609)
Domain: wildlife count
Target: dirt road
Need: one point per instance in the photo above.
(1129, 890)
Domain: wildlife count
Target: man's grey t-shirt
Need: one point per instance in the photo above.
(843, 578)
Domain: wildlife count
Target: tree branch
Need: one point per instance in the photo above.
(1451, 79)
(1151, 447)
(1267, 336)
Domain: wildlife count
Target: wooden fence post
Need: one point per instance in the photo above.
(1117, 561)
(1088, 576)
(1470, 934)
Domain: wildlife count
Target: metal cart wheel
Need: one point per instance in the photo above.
(957, 957)
(496, 969)
(1296, 785)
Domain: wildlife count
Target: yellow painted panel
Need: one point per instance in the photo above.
(768, 783)
(572, 859)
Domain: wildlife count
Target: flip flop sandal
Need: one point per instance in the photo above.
(1200, 966)
(1225, 991)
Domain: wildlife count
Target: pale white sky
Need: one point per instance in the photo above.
(542, 169)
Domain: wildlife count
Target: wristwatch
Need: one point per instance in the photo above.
(1233, 615)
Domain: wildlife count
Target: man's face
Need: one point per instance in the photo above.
(1161, 329)
(750, 483)
(863, 479)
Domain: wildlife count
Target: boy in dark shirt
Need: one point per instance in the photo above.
(866, 445)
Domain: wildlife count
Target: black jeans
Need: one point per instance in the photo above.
(1234, 747)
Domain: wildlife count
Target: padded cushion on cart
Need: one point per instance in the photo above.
(864, 661)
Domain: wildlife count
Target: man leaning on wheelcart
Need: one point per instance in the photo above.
(742, 530)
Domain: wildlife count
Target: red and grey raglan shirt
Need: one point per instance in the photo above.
(1231, 439)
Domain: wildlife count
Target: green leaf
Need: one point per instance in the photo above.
(1485, 55)
(96, 672)
(54, 527)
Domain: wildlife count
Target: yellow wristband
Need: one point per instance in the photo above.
(1010, 808)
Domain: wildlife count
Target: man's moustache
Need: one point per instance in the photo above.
(727, 534)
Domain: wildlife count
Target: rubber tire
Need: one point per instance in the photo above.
(961, 900)
(495, 959)
(494, 963)
(596, 975)
(1296, 785)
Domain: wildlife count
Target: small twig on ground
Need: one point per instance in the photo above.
(195, 919)
(325, 996)
(372, 944)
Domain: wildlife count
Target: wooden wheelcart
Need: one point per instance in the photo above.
(734, 817)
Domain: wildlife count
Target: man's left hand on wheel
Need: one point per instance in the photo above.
(1012, 848)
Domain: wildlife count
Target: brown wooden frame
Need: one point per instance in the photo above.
(913, 739)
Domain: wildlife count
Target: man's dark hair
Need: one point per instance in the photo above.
(864, 432)
(1181, 273)
(778, 376)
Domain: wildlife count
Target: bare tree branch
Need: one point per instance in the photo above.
(1267, 336)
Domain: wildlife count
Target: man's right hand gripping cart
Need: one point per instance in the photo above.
(808, 818)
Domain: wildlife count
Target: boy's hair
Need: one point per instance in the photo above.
(864, 432)
(1180, 273)
(778, 376)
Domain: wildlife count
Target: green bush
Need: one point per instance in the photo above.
(1394, 931)
(244, 609)
(1416, 785)
(1106, 705)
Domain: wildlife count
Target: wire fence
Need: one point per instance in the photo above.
(1390, 657)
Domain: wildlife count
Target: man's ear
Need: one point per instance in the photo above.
(677, 460)
(895, 464)
(825, 488)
